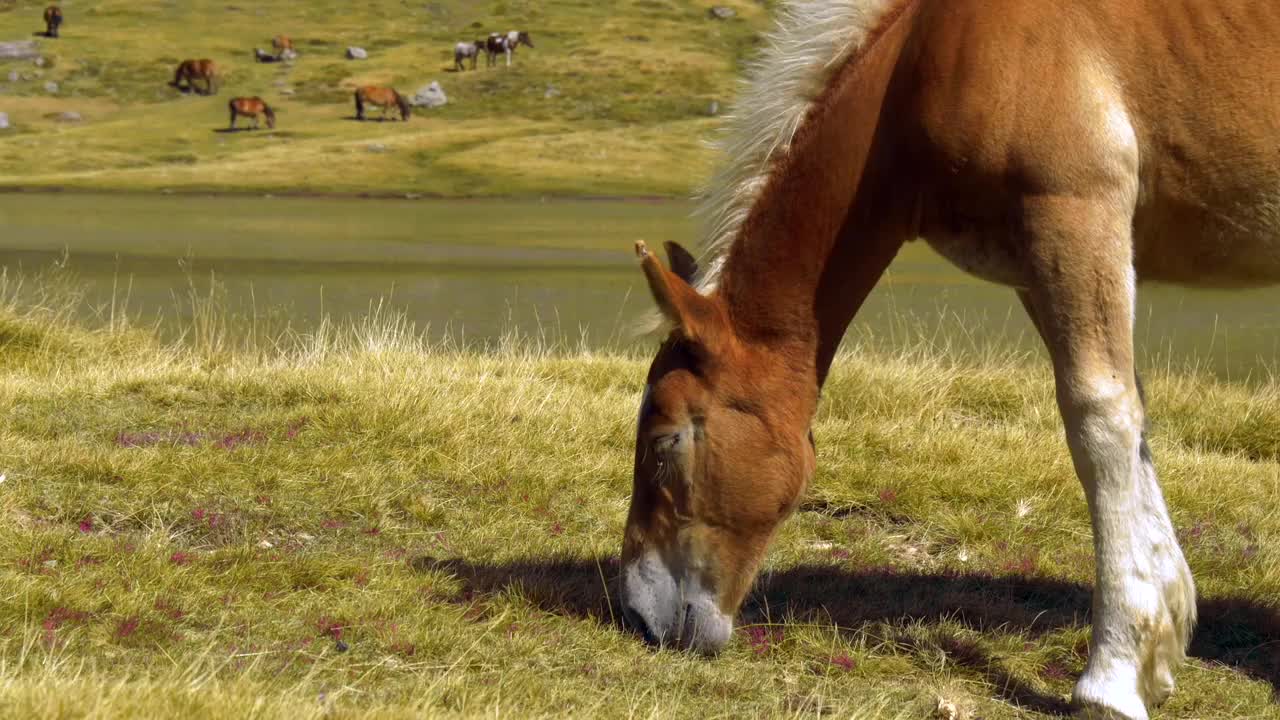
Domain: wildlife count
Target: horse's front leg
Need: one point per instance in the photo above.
(1081, 294)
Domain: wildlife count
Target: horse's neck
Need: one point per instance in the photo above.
(829, 218)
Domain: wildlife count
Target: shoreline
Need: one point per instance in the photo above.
(337, 195)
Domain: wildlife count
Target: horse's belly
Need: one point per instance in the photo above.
(1213, 245)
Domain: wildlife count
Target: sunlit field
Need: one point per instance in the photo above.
(355, 522)
(615, 99)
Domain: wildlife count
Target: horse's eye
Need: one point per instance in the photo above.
(665, 445)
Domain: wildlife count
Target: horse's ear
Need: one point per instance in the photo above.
(694, 316)
(681, 261)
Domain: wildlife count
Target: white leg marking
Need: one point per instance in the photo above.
(1144, 600)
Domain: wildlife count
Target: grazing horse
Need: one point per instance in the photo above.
(383, 97)
(281, 44)
(52, 20)
(1065, 152)
(189, 71)
(507, 44)
(251, 107)
(464, 50)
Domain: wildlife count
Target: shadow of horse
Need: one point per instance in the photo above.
(1241, 633)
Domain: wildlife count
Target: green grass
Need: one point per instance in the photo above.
(354, 523)
(635, 80)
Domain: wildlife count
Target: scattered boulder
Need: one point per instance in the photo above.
(551, 92)
(51, 87)
(376, 148)
(288, 55)
(14, 76)
(4, 121)
(720, 12)
(714, 108)
(357, 53)
(429, 96)
(39, 62)
(288, 91)
(19, 50)
(69, 116)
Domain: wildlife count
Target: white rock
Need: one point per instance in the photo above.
(430, 96)
(20, 50)
(357, 53)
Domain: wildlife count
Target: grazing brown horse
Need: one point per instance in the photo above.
(1067, 151)
(251, 107)
(52, 20)
(383, 97)
(281, 43)
(189, 71)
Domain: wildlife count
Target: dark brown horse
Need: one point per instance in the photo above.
(1068, 151)
(52, 20)
(382, 97)
(251, 107)
(190, 71)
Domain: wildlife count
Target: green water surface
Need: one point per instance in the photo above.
(474, 270)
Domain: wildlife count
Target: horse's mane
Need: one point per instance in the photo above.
(812, 39)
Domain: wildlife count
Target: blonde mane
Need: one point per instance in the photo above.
(812, 39)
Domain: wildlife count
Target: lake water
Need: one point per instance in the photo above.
(474, 270)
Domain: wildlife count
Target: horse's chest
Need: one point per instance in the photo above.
(972, 237)
(987, 255)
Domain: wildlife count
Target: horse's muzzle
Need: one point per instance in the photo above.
(671, 612)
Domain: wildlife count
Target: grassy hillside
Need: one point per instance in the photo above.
(355, 524)
(615, 99)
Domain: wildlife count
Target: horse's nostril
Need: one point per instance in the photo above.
(637, 623)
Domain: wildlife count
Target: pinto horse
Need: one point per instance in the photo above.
(52, 20)
(1065, 152)
(251, 107)
(383, 97)
(189, 71)
(506, 44)
(464, 50)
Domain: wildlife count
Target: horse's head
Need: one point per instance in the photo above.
(722, 455)
(403, 104)
(522, 38)
(270, 115)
